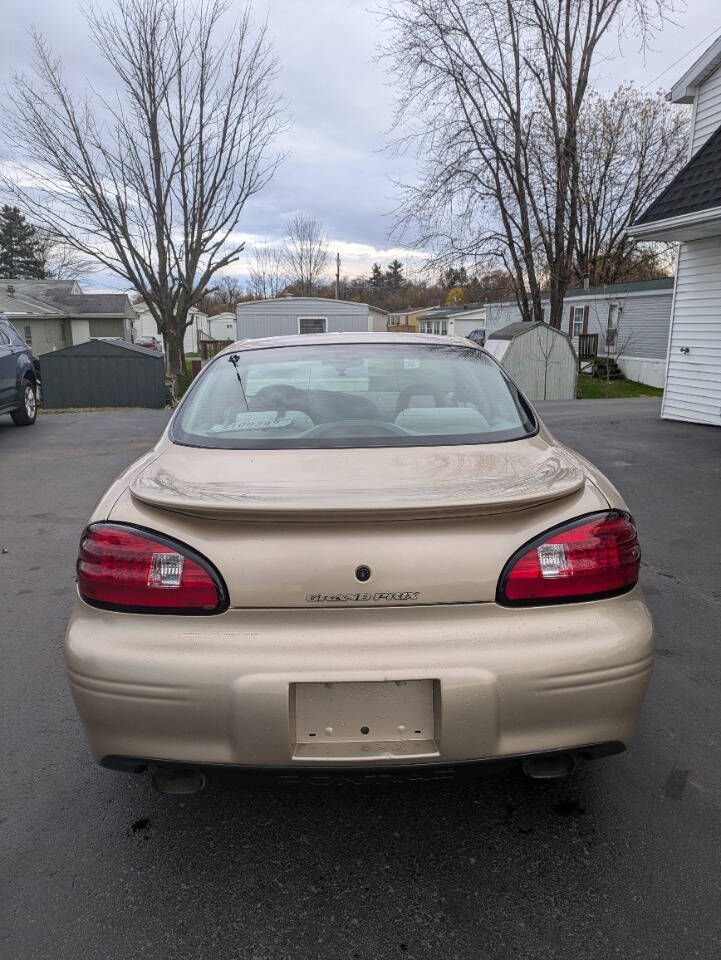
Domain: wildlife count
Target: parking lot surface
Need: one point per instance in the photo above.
(623, 862)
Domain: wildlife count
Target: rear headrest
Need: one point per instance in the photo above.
(442, 420)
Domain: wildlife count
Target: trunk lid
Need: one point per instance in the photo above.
(365, 483)
(291, 528)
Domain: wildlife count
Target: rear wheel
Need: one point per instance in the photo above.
(26, 413)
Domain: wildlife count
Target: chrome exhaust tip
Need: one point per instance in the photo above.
(552, 767)
(178, 781)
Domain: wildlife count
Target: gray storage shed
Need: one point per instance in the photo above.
(541, 359)
(103, 373)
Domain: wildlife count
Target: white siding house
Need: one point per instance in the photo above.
(145, 326)
(689, 210)
(456, 321)
(287, 316)
(223, 326)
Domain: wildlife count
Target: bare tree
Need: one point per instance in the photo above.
(305, 253)
(493, 91)
(152, 183)
(266, 274)
(630, 145)
(62, 261)
(226, 293)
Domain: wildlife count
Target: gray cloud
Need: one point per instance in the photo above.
(341, 103)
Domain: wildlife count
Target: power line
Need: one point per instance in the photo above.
(683, 57)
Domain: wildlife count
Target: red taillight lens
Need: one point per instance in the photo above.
(129, 569)
(593, 556)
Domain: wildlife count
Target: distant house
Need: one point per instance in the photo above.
(689, 210)
(632, 319)
(286, 316)
(407, 321)
(145, 326)
(456, 321)
(52, 314)
(223, 326)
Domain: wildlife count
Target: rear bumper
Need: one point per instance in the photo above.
(217, 690)
(355, 775)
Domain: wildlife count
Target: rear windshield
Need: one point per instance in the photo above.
(352, 395)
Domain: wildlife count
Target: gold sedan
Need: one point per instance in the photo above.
(357, 554)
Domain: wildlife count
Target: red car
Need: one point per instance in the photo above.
(150, 342)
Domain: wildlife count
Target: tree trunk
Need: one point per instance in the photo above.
(174, 362)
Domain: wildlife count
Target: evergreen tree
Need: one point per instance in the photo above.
(454, 277)
(376, 278)
(21, 252)
(394, 275)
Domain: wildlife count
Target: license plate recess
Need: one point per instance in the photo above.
(364, 719)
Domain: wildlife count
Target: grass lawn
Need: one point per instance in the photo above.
(591, 388)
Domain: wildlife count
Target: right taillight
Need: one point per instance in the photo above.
(592, 557)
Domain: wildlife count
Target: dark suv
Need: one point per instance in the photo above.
(19, 380)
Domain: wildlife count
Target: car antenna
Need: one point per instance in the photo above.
(235, 360)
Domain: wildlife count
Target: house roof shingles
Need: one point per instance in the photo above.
(66, 296)
(697, 187)
(17, 304)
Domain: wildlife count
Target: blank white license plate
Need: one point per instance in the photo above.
(388, 711)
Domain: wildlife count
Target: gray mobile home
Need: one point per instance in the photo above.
(633, 317)
(287, 316)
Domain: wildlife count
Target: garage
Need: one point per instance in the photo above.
(103, 373)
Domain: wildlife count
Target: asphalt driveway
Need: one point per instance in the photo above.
(623, 863)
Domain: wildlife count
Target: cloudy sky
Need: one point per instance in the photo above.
(341, 104)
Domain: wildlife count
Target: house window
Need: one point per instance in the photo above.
(614, 318)
(28, 335)
(434, 326)
(577, 321)
(312, 324)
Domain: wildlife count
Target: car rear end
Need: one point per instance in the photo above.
(384, 602)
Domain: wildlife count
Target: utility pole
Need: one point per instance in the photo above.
(337, 276)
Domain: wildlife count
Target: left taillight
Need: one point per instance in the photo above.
(589, 558)
(126, 568)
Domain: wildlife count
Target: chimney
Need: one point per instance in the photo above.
(10, 290)
(586, 282)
